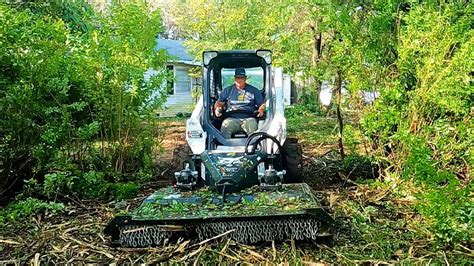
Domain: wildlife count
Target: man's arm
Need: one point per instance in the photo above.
(260, 103)
(220, 103)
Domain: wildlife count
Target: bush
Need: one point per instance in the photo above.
(352, 137)
(423, 118)
(28, 207)
(450, 213)
(303, 110)
(88, 185)
(73, 94)
(360, 167)
(121, 191)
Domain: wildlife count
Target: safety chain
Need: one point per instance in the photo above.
(262, 230)
(244, 231)
(142, 236)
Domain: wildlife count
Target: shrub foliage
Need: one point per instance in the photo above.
(75, 106)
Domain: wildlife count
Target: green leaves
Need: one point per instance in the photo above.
(86, 185)
(73, 94)
(27, 208)
(437, 51)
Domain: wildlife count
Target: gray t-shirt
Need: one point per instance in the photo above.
(247, 99)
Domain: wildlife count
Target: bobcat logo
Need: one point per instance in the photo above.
(241, 97)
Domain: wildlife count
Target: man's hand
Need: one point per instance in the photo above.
(218, 108)
(261, 110)
(218, 112)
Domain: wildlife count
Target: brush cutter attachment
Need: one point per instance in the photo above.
(254, 215)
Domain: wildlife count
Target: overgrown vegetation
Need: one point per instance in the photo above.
(77, 113)
(422, 123)
(26, 208)
(77, 118)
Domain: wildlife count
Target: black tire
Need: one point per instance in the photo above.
(292, 159)
(181, 155)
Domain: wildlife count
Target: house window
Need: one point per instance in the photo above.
(182, 80)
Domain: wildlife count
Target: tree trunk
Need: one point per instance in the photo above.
(317, 44)
(316, 54)
(338, 91)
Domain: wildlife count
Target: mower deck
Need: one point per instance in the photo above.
(255, 215)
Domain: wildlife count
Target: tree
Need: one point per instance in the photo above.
(74, 99)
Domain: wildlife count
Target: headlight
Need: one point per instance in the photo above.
(265, 54)
(207, 56)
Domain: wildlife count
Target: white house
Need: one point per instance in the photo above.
(180, 92)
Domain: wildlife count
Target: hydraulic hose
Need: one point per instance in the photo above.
(261, 136)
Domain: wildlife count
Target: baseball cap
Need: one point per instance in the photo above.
(240, 72)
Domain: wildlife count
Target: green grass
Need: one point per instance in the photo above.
(312, 129)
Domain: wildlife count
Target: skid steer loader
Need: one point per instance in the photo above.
(248, 186)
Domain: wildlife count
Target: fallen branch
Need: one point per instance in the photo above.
(181, 250)
(192, 254)
(10, 242)
(223, 250)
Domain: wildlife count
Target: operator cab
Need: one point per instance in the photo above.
(218, 74)
(254, 78)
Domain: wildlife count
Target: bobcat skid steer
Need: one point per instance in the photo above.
(248, 187)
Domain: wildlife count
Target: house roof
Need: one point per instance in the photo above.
(174, 48)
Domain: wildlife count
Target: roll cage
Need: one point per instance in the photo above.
(213, 63)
